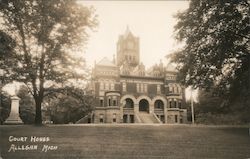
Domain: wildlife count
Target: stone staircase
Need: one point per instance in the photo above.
(147, 118)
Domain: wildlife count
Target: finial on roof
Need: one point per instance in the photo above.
(127, 30)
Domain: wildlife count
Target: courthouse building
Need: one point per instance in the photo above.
(127, 93)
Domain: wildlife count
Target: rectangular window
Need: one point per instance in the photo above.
(112, 86)
(179, 105)
(170, 88)
(175, 89)
(176, 118)
(141, 90)
(109, 102)
(101, 86)
(114, 103)
(89, 120)
(114, 118)
(101, 118)
(101, 102)
(131, 118)
(162, 118)
(124, 87)
(106, 86)
(141, 87)
(125, 118)
(158, 89)
(179, 90)
(145, 88)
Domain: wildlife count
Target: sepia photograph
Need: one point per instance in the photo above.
(124, 79)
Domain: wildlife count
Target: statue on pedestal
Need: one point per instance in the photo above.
(14, 117)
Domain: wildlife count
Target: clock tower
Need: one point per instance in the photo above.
(128, 49)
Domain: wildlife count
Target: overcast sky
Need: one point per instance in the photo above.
(151, 21)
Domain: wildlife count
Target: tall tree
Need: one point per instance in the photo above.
(216, 53)
(4, 106)
(47, 34)
(6, 47)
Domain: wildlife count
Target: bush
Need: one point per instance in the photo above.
(219, 119)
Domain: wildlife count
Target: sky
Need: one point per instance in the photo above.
(151, 21)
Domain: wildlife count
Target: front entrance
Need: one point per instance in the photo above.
(144, 105)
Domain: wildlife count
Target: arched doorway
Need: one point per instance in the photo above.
(144, 105)
(129, 103)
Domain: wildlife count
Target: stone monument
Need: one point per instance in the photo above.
(14, 117)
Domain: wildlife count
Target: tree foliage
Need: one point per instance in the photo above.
(4, 106)
(69, 105)
(46, 34)
(216, 53)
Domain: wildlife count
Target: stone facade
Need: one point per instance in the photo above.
(127, 93)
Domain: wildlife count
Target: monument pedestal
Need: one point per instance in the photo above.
(14, 117)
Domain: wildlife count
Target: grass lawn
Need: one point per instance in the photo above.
(128, 141)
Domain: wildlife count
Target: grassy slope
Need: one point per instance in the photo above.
(123, 141)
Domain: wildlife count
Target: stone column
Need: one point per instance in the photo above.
(122, 104)
(166, 113)
(151, 108)
(14, 117)
(136, 108)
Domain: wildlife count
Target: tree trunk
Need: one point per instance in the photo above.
(38, 118)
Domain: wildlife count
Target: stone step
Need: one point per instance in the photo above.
(147, 118)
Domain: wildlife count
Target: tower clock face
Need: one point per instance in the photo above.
(130, 45)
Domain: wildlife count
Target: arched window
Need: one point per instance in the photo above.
(129, 103)
(159, 104)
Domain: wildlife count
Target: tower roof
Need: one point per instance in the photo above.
(127, 32)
